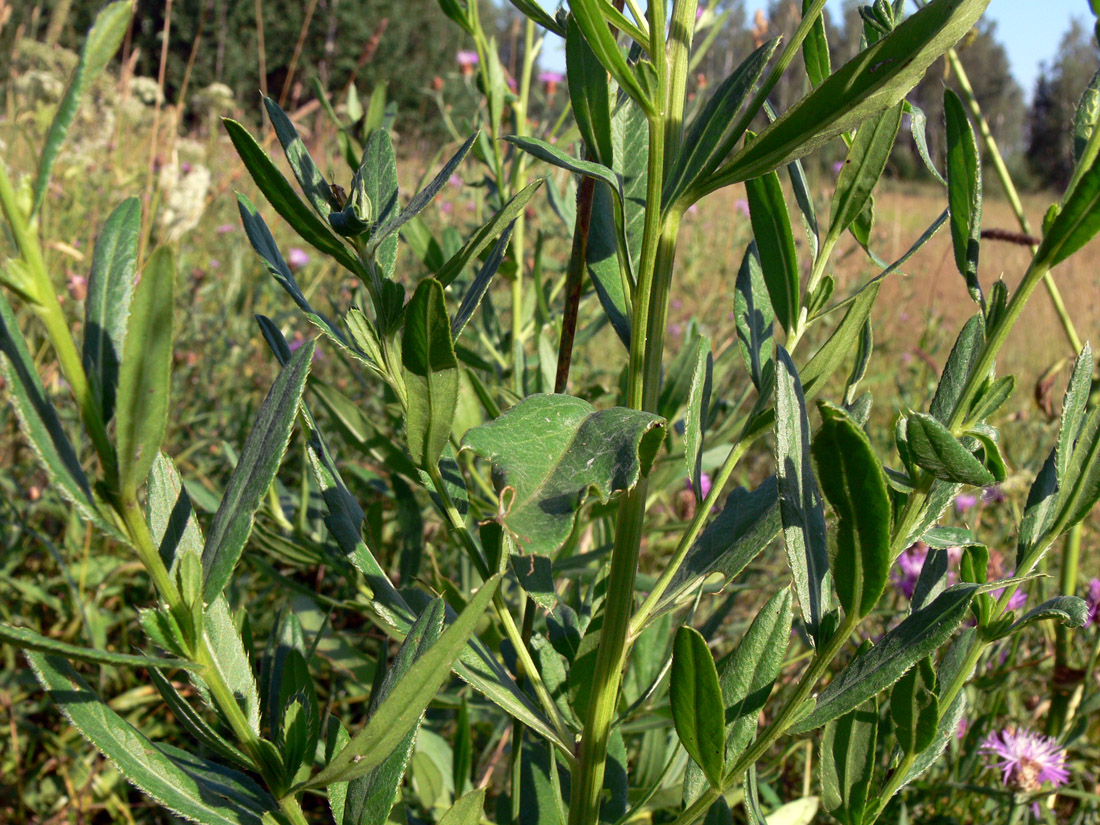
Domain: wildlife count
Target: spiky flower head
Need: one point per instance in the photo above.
(1026, 759)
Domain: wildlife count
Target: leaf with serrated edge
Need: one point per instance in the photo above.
(408, 699)
(145, 378)
(260, 459)
(920, 633)
(191, 787)
(107, 305)
(39, 422)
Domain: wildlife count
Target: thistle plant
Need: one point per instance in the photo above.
(560, 620)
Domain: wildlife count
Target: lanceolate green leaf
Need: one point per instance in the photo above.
(481, 239)
(107, 305)
(467, 810)
(313, 183)
(102, 42)
(696, 702)
(556, 157)
(800, 504)
(378, 177)
(168, 510)
(556, 450)
(935, 449)
(1077, 221)
(709, 138)
(748, 523)
(259, 461)
(26, 639)
(408, 699)
(40, 424)
(1067, 610)
(964, 191)
(370, 797)
(872, 672)
(285, 200)
(430, 369)
(815, 49)
(698, 409)
(599, 37)
(588, 94)
(848, 763)
(862, 169)
(915, 708)
(855, 485)
(145, 379)
(480, 285)
(956, 372)
(771, 224)
(191, 787)
(422, 198)
(752, 310)
(876, 79)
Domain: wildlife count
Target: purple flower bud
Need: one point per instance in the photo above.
(296, 258)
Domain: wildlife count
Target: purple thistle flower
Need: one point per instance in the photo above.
(455, 181)
(225, 228)
(964, 502)
(837, 167)
(742, 206)
(466, 59)
(551, 77)
(1026, 759)
(296, 258)
(1093, 602)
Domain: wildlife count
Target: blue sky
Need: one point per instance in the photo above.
(1029, 29)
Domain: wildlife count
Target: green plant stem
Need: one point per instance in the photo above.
(611, 653)
(458, 525)
(687, 539)
(1060, 692)
(519, 232)
(787, 716)
(43, 302)
(134, 519)
(993, 156)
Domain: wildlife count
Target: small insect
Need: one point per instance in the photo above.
(338, 195)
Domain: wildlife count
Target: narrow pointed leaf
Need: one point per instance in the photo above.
(866, 161)
(467, 810)
(875, 670)
(313, 183)
(172, 521)
(187, 785)
(771, 224)
(370, 797)
(282, 197)
(480, 285)
(592, 24)
(964, 191)
(100, 46)
(588, 94)
(852, 480)
(40, 425)
(696, 703)
(422, 198)
(408, 699)
(956, 372)
(378, 173)
(848, 763)
(873, 81)
(107, 305)
(1076, 223)
(709, 137)
(430, 369)
(752, 309)
(479, 242)
(26, 639)
(1067, 610)
(800, 503)
(698, 408)
(251, 478)
(145, 379)
(915, 708)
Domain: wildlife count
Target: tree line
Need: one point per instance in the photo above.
(407, 44)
